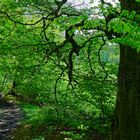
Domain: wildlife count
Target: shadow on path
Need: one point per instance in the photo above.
(10, 117)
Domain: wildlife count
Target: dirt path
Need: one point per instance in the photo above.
(10, 117)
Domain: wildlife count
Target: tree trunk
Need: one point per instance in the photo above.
(127, 113)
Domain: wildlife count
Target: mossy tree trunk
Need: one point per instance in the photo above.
(127, 113)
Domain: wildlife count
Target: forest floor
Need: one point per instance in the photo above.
(11, 127)
(10, 117)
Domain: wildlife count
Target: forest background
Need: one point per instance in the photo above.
(59, 61)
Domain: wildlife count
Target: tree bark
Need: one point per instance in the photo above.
(127, 113)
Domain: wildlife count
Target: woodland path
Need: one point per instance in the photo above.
(10, 117)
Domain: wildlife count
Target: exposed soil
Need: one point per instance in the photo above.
(10, 117)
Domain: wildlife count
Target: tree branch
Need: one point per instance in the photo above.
(99, 57)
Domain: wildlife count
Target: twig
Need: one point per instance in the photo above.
(89, 59)
(55, 86)
(99, 57)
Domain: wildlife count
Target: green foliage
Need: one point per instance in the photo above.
(127, 25)
(37, 39)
